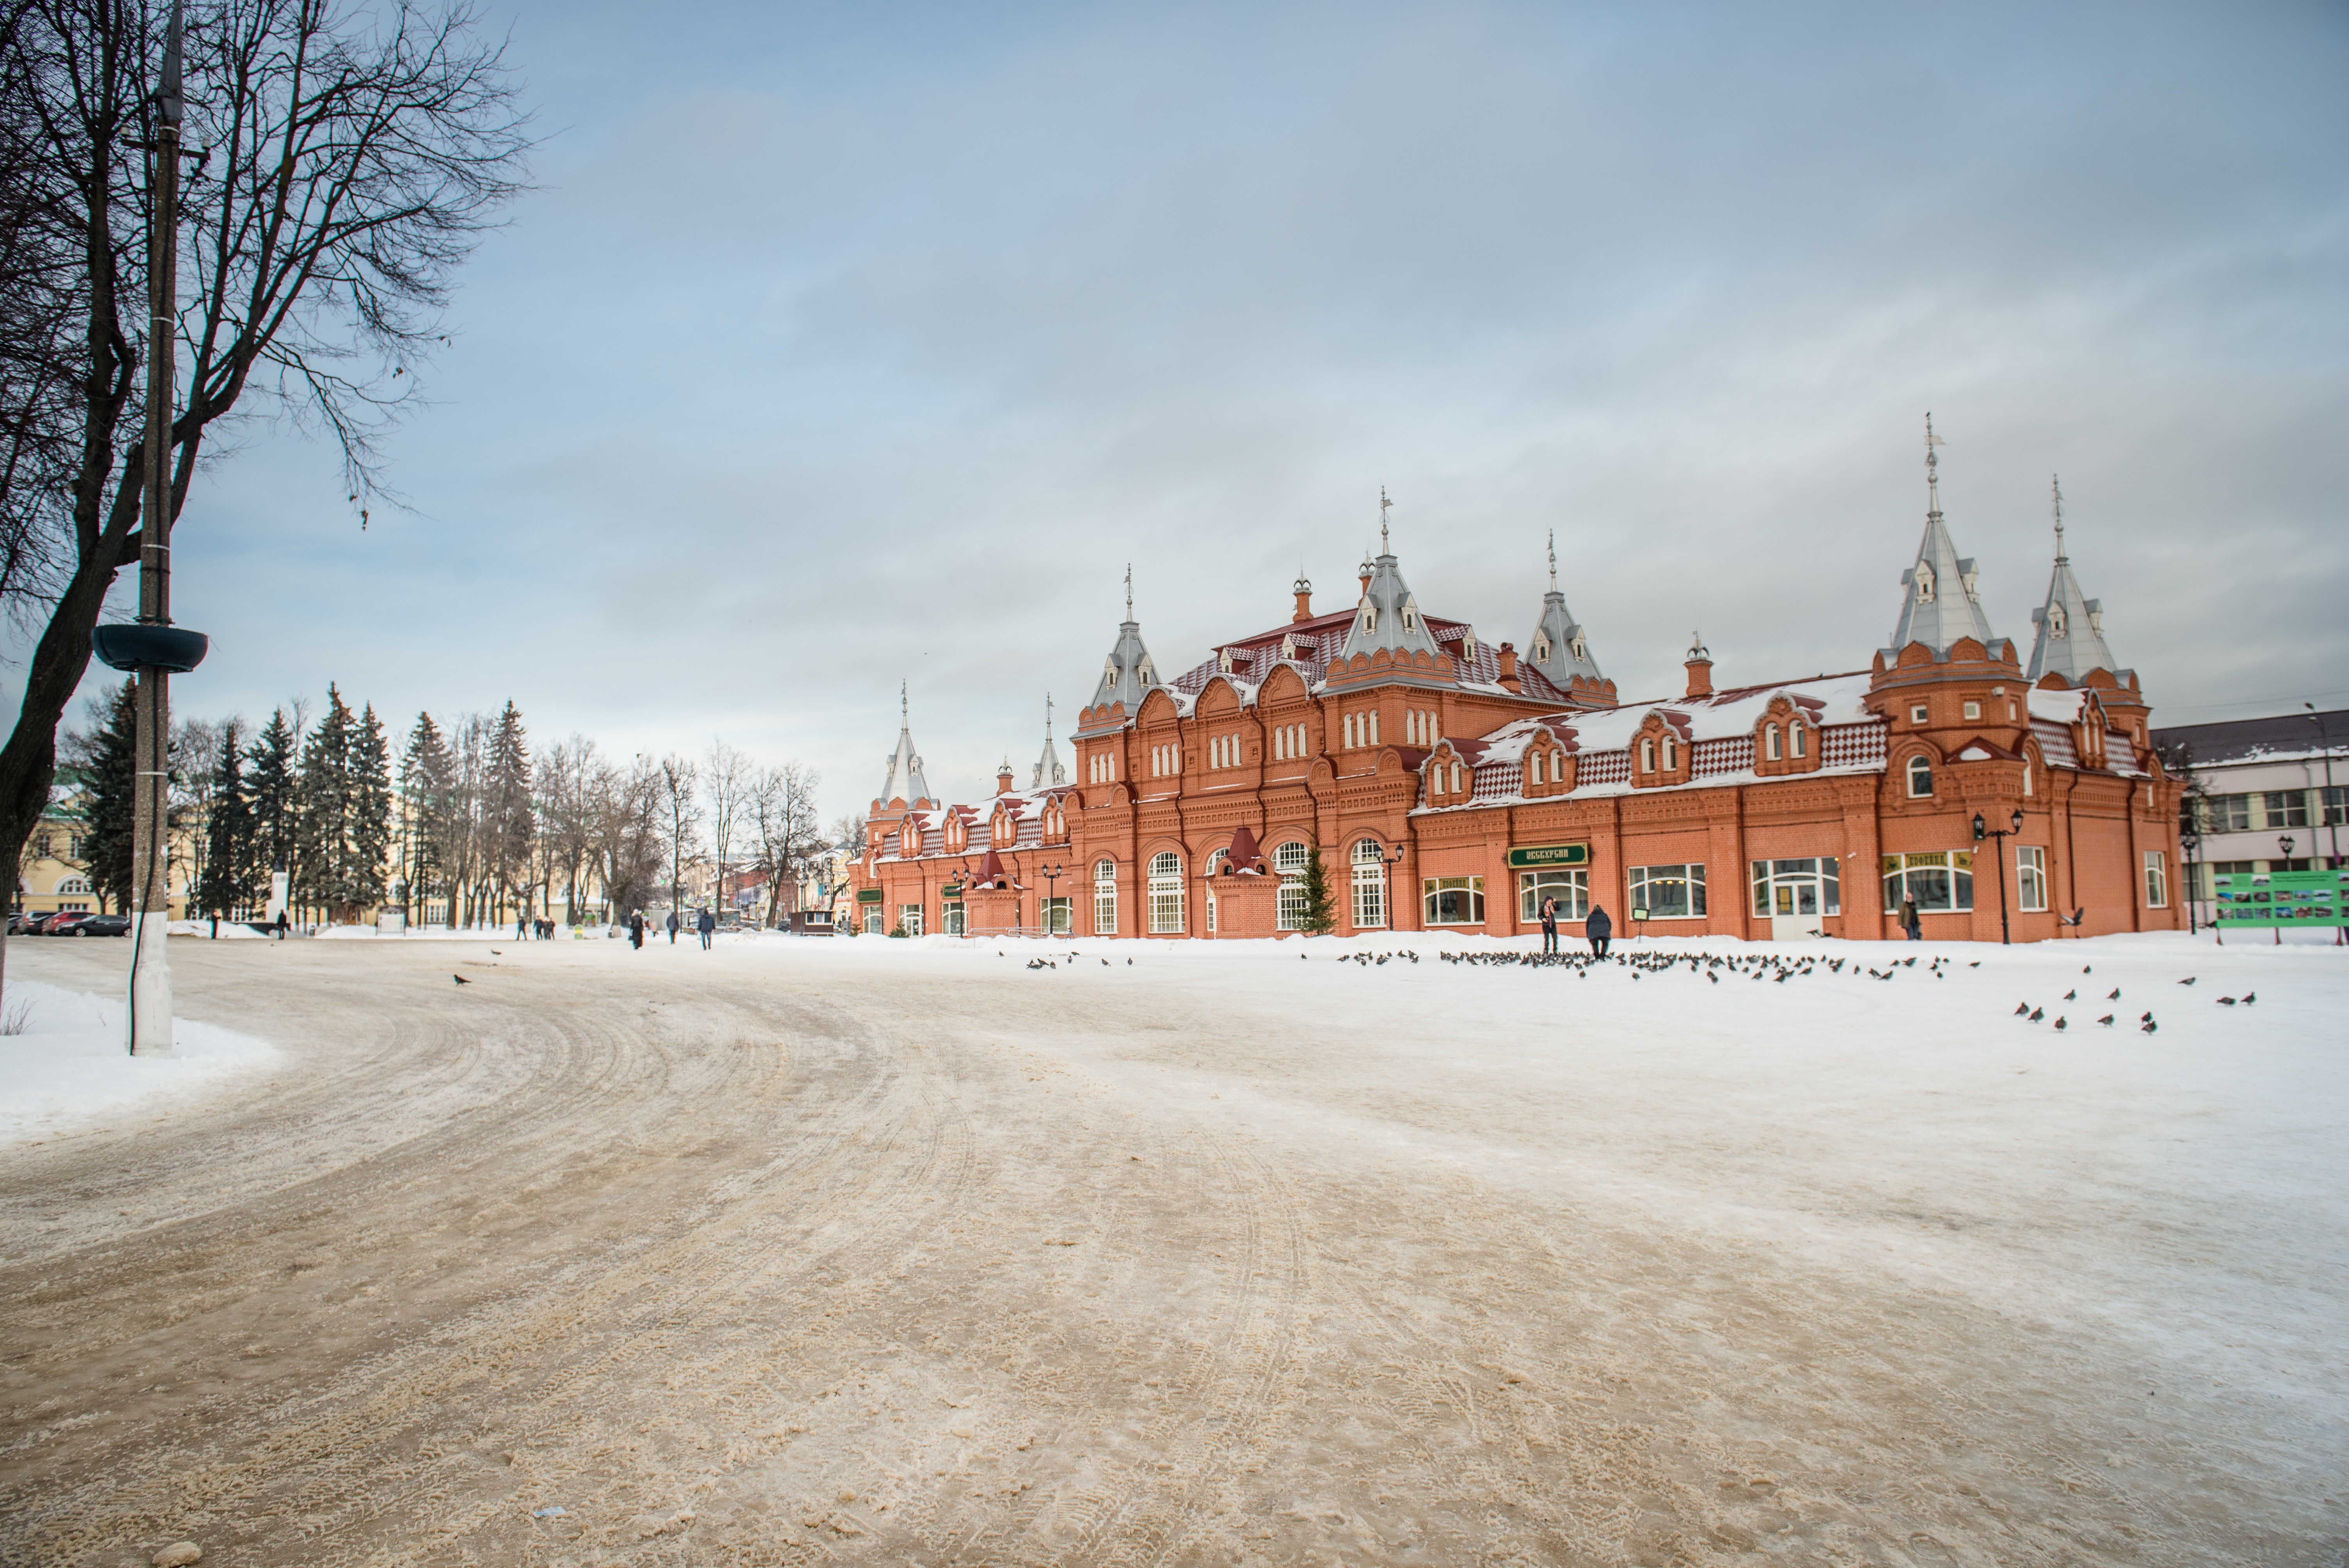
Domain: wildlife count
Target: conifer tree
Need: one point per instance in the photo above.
(228, 883)
(1320, 908)
(111, 786)
(326, 801)
(427, 778)
(506, 817)
(371, 808)
(270, 789)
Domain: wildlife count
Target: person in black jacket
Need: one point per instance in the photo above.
(1599, 928)
(1549, 925)
(705, 923)
(636, 929)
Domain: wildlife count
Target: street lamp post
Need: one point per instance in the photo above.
(1389, 863)
(2186, 842)
(1999, 836)
(1053, 874)
(2324, 801)
(2284, 842)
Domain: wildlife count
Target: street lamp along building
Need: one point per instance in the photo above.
(1454, 784)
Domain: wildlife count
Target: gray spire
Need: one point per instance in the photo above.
(1388, 617)
(904, 782)
(2071, 639)
(1129, 673)
(1047, 767)
(1940, 606)
(1558, 647)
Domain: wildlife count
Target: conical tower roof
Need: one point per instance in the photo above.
(1939, 606)
(1129, 673)
(1388, 617)
(904, 782)
(2071, 636)
(1558, 647)
(1048, 771)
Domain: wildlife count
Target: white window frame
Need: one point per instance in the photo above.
(1059, 915)
(1570, 886)
(1106, 898)
(1288, 861)
(1640, 883)
(2029, 879)
(1369, 885)
(1166, 905)
(1921, 763)
(909, 915)
(2156, 879)
(1900, 875)
(1973, 712)
(1794, 742)
(1432, 891)
(1919, 714)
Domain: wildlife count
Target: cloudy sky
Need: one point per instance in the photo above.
(843, 345)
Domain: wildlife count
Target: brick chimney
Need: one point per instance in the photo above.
(1508, 653)
(1304, 592)
(1003, 777)
(1700, 668)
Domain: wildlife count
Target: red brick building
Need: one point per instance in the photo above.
(1452, 783)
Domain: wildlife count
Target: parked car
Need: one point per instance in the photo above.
(57, 925)
(99, 925)
(21, 923)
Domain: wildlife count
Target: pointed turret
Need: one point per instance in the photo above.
(905, 782)
(1388, 617)
(1940, 606)
(1558, 647)
(1049, 770)
(1129, 674)
(2071, 638)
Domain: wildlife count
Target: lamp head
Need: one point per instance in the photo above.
(1978, 828)
(2017, 825)
(2283, 842)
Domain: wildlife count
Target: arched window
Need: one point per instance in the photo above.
(1795, 734)
(1534, 769)
(1289, 862)
(1369, 885)
(1672, 754)
(1647, 756)
(1770, 741)
(73, 884)
(1455, 779)
(1167, 894)
(1106, 898)
(1921, 776)
(910, 841)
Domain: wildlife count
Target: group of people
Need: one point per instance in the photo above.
(705, 924)
(526, 929)
(1598, 925)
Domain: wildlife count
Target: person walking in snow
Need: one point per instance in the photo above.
(636, 929)
(672, 928)
(1910, 921)
(705, 923)
(1599, 928)
(1550, 924)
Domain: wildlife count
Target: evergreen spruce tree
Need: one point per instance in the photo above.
(325, 798)
(1320, 907)
(228, 883)
(269, 787)
(506, 808)
(371, 808)
(428, 778)
(110, 806)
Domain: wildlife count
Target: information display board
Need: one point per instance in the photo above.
(2280, 898)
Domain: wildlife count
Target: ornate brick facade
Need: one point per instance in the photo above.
(1449, 782)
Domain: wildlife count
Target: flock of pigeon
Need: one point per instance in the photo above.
(2146, 1022)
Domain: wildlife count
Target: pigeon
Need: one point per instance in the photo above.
(2107, 1020)
(2116, 995)
(1976, 965)
(2149, 1027)
(2068, 995)
(2226, 1001)
(2022, 1008)
(2038, 1013)
(460, 980)
(497, 953)
(1104, 963)
(2087, 969)
(2059, 1023)
(2187, 981)
(2146, 1017)
(2249, 997)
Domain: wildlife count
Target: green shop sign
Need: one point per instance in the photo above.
(2281, 898)
(869, 896)
(952, 890)
(1551, 855)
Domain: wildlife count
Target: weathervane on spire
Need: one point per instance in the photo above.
(1383, 504)
(1048, 718)
(1552, 560)
(2055, 484)
(1932, 467)
(904, 710)
(1129, 590)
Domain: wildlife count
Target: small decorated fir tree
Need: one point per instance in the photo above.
(1320, 907)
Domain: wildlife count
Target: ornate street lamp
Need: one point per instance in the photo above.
(1052, 876)
(1999, 836)
(2186, 842)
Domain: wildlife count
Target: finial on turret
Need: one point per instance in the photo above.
(1384, 505)
(1552, 560)
(905, 707)
(2055, 484)
(1129, 590)
(1048, 718)
(1932, 469)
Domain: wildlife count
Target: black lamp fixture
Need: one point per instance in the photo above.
(175, 650)
(1984, 830)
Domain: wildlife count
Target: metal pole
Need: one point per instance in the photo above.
(150, 968)
(2005, 939)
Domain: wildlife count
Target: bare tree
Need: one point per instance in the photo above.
(783, 813)
(728, 779)
(624, 818)
(352, 157)
(682, 816)
(568, 778)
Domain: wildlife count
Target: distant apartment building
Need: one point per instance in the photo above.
(2270, 794)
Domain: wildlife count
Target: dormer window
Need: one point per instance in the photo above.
(1647, 756)
(1223, 660)
(1672, 754)
(1108, 672)
(1770, 741)
(1581, 650)
(1370, 619)
(2055, 620)
(1534, 769)
(1924, 583)
(1794, 736)
(1147, 675)
(1410, 617)
(1541, 650)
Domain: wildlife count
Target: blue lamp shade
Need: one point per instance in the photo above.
(172, 649)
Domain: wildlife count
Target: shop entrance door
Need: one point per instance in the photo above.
(1794, 909)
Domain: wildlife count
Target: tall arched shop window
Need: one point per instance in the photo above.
(1166, 893)
(1921, 776)
(1770, 741)
(1289, 862)
(1369, 885)
(1106, 898)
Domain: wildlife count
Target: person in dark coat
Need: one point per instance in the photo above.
(636, 929)
(672, 928)
(1910, 921)
(705, 923)
(1599, 928)
(1550, 924)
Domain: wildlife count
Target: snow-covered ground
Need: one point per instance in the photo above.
(69, 1067)
(931, 1249)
